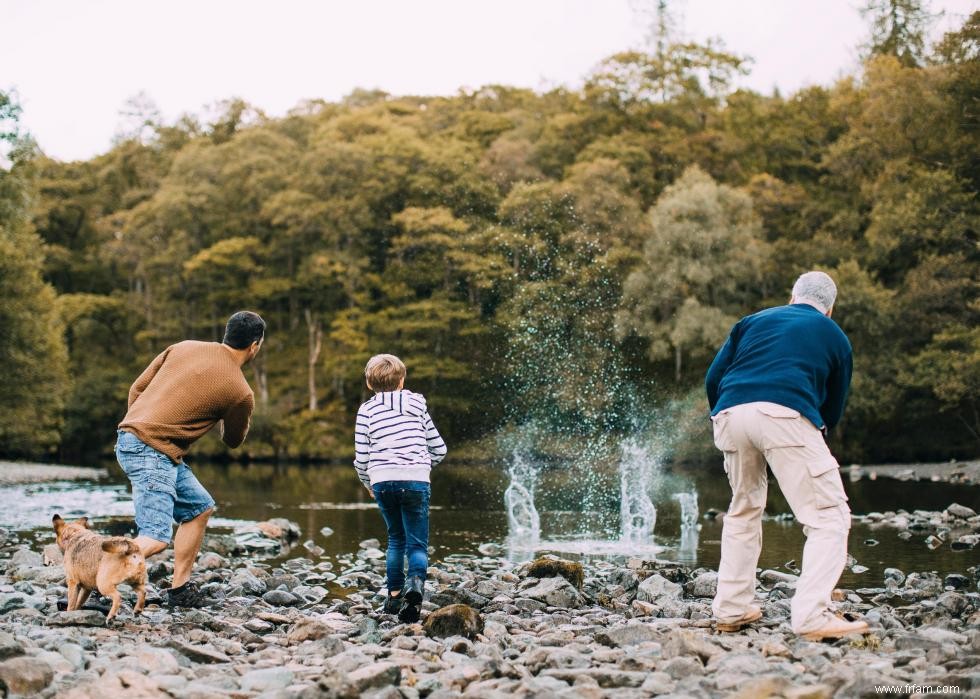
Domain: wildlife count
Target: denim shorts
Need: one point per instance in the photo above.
(163, 492)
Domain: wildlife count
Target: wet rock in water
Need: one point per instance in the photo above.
(222, 544)
(280, 529)
(572, 571)
(958, 511)
(858, 569)
(370, 544)
(894, 576)
(326, 531)
(555, 592)
(657, 589)
(924, 584)
(25, 676)
(454, 620)
(79, 617)
(965, 542)
(956, 581)
(771, 577)
(871, 542)
(933, 542)
(491, 549)
(312, 547)
(248, 582)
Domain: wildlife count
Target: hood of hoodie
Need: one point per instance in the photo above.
(405, 402)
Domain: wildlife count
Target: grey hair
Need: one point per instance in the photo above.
(816, 289)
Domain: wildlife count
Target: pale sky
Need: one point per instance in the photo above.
(75, 63)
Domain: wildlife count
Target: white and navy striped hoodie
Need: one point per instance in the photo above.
(395, 440)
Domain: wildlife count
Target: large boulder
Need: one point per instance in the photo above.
(454, 620)
(26, 676)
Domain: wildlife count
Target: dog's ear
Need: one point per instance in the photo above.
(58, 523)
(117, 544)
(83, 521)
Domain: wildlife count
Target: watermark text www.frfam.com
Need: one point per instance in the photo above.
(920, 689)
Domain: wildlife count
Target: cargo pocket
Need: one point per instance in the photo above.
(828, 489)
(722, 432)
(784, 428)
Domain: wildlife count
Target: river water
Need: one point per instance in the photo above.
(468, 510)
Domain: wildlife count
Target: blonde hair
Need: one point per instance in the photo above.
(384, 372)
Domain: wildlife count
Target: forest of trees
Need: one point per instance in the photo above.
(516, 249)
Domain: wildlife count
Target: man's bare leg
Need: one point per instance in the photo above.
(187, 544)
(148, 546)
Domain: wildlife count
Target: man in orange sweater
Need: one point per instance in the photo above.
(184, 392)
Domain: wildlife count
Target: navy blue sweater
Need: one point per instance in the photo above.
(794, 356)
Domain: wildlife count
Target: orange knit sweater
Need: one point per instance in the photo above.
(182, 394)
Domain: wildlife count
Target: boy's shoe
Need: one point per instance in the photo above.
(188, 596)
(752, 615)
(413, 590)
(393, 604)
(410, 613)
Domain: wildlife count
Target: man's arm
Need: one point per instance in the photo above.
(716, 372)
(433, 440)
(362, 447)
(838, 385)
(143, 380)
(234, 425)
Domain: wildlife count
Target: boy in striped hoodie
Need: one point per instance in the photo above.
(396, 445)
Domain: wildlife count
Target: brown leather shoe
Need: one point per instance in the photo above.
(836, 627)
(753, 614)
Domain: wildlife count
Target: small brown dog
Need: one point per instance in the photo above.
(94, 562)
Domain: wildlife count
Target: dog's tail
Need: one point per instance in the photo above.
(121, 545)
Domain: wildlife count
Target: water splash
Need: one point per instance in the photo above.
(689, 508)
(637, 513)
(523, 521)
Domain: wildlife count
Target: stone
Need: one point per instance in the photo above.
(266, 679)
(686, 643)
(307, 630)
(681, 667)
(9, 646)
(657, 589)
(281, 598)
(894, 576)
(627, 634)
(26, 557)
(572, 571)
(211, 561)
(158, 660)
(79, 617)
(705, 585)
(26, 676)
(454, 620)
(374, 675)
(956, 581)
(960, 511)
(199, 654)
(74, 654)
(10, 601)
(555, 592)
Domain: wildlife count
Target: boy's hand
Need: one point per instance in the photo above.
(370, 492)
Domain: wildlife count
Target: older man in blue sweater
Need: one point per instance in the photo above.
(775, 388)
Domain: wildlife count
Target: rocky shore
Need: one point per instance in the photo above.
(491, 628)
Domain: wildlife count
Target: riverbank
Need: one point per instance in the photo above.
(636, 628)
(18, 472)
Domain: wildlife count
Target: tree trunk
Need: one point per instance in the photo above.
(261, 381)
(677, 364)
(315, 343)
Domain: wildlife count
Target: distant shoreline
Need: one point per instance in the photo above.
(19, 472)
(960, 472)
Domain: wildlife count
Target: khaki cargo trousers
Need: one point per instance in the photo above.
(751, 435)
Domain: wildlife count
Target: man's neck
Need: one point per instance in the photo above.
(240, 355)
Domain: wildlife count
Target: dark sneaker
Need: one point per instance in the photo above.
(393, 604)
(410, 613)
(413, 590)
(188, 596)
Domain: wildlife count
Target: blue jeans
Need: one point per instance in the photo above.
(405, 508)
(163, 492)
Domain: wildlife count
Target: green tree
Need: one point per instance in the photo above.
(702, 265)
(32, 351)
(898, 28)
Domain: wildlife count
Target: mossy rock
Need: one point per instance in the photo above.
(552, 568)
(453, 620)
